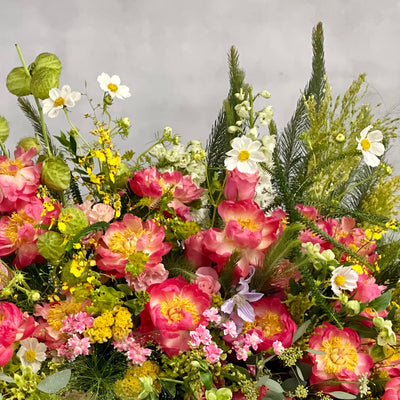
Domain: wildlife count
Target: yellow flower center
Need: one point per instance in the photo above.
(30, 355)
(269, 323)
(112, 88)
(339, 354)
(59, 102)
(6, 170)
(17, 221)
(340, 280)
(124, 242)
(365, 144)
(243, 155)
(249, 224)
(174, 310)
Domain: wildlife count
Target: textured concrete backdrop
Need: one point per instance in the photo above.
(172, 55)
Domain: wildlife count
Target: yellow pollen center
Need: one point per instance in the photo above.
(243, 155)
(339, 354)
(365, 144)
(8, 167)
(340, 280)
(249, 224)
(112, 88)
(270, 324)
(16, 222)
(30, 355)
(124, 242)
(59, 102)
(175, 310)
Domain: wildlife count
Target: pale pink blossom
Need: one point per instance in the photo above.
(212, 315)
(137, 354)
(252, 340)
(150, 275)
(79, 346)
(278, 347)
(77, 322)
(230, 329)
(213, 353)
(207, 280)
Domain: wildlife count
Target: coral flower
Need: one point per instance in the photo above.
(342, 359)
(240, 186)
(272, 322)
(175, 308)
(19, 179)
(132, 236)
(14, 326)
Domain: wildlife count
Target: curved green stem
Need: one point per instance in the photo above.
(74, 129)
(44, 129)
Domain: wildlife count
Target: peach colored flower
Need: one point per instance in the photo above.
(240, 185)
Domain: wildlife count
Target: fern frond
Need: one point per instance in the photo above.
(74, 191)
(33, 116)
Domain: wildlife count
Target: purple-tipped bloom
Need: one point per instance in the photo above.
(242, 299)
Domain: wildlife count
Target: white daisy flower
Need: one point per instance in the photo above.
(32, 353)
(371, 146)
(112, 85)
(244, 155)
(343, 278)
(58, 99)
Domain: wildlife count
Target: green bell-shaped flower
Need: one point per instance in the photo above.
(18, 82)
(55, 174)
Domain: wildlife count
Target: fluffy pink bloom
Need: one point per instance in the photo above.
(77, 322)
(200, 336)
(137, 354)
(342, 359)
(151, 183)
(175, 308)
(213, 353)
(278, 347)
(230, 329)
(19, 233)
(19, 179)
(392, 389)
(242, 350)
(272, 322)
(367, 289)
(123, 239)
(207, 280)
(212, 315)
(74, 347)
(247, 229)
(149, 276)
(252, 339)
(240, 185)
(14, 326)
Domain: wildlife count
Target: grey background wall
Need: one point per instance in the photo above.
(172, 55)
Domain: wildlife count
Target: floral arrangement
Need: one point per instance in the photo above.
(262, 267)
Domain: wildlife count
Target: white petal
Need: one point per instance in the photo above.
(257, 156)
(103, 78)
(54, 112)
(254, 146)
(115, 80)
(54, 94)
(375, 136)
(47, 105)
(238, 143)
(123, 92)
(365, 131)
(233, 153)
(377, 148)
(370, 159)
(230, 163)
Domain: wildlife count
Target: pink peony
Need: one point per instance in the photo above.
(19, 233)
(19, 179)
(272, 323)
(240, 185)
(175, 308)
(14, 326)
(151, 183)
(124, 239)
(392, 389)
(367, 289)
(149, 276)
(342, 359)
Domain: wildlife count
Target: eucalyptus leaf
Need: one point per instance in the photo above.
(270, 384)
(6, 378)
(313, 351)
(271, 395)
(343, 395)
(206, 379)
(301, 331)
(55, 382)
(381, 302)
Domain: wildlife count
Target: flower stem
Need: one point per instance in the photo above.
(43, 124)
(74, 129)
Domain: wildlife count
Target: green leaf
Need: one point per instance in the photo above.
(55, 382)
(319, 352)
(206, 379)
(170, 387)
(290, 385)
(305, 369)
(270, 384)
(6, 378)
(381, 302)
(102, 225)
(271, 395)
(301, 331)
(342, 395)
(123, 287)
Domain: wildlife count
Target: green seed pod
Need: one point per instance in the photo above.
(29, 142)
(4, 129)
(51, 246)
(55, 173)
(18, 82)
(72, 220)
(48, 60)
(44, 79)
(122, 175)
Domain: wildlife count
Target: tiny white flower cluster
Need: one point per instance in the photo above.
(189, 160)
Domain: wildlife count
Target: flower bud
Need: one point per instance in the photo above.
(55, 174)
(4, 129)
(51, 246)
(232, 129)
(29, 142)
(18, 82)
(44, 79)
(107, 100)
(167, 133)
(34, 295)
(265, 94)
(353, 307)
(48, 60)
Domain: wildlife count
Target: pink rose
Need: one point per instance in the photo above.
(207, 280)
(240, 185)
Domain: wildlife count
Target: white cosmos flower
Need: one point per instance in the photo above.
(371, 146)
(32, 353)
(58, 99)
(244, 155)
(112, 85)
(343, 278)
